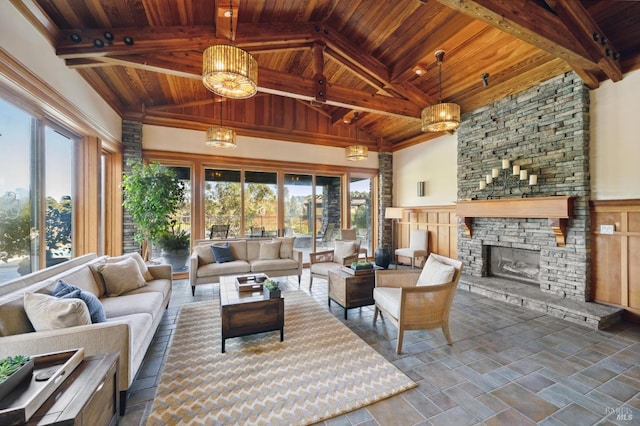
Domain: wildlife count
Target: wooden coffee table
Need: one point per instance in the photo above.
(351, 289)
(247, 312)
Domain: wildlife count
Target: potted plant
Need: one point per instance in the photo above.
(153, 194)
(175, 246)
(271, 289)
(13, 370)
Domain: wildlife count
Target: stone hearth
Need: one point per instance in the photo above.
(592, 315)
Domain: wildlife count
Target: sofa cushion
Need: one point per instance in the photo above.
(204, 253)
(286, 248)
(435, 272)
(216, 269)
(222, 253)
(121, 277)
(160, 285)
(128, 304)
(139, 261)
(269, 250)
(259, 265)
(68, 291)
(239, 249)
(48, 312)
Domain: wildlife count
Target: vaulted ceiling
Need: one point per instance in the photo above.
(367, 51)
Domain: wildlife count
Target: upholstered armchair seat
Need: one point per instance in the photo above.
(345, 253)
(416, 300)
(418, 246)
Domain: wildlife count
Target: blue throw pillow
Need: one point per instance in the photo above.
(62, 288)
(67, 291)
(222, 253)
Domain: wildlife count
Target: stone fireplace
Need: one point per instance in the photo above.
(513, 263)
(544, 130)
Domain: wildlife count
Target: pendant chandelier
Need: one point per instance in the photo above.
(221, 137)
(440, 117)
(356, 152)
(228, 70)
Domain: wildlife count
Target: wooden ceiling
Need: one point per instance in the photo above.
(367, 51)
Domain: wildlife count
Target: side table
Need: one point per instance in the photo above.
(89, 396)
(351, 289)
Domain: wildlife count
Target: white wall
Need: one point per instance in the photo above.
(434, 162)
(25, 44)
(615, 139)
(192, 141)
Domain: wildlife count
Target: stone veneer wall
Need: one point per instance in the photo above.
(546, 131)
(132, 143)
(385, 197)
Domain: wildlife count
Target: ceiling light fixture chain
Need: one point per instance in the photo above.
(356, 152)
(443, 116)
(219, 136)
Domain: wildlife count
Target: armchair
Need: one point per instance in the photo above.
(418, 247)
(414, 300)
(350, 235)
(345, 253)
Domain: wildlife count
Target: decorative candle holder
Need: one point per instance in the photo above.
(508, 181)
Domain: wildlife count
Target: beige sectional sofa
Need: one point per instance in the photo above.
(132, 317)
(250, 255)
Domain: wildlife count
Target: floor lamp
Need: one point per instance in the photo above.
(393, 213)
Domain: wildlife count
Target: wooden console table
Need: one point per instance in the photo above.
(556, 209)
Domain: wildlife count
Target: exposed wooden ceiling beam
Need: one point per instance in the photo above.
(589, 35)
(180, 38)
(367, 66)
(282, 84)
(529, 22)
(226, 18)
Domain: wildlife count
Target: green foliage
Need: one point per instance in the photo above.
(10, 365)
(173, 240)
(152, 196)
(14, 227)
(271, 284)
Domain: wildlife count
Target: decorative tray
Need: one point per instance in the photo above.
(49, 371)
(250, 282)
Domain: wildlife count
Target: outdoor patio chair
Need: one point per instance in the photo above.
(219, 231)
(418, 300)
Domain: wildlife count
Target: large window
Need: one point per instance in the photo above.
(298, 210)
(360, 213)
(36, 193)
(261, 204)
(222, 203)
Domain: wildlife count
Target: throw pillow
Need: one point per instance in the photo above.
(49, 313)
(222, 253)
(205, 254)
(269, 250)
(121, 277)
(139, 261)
(435, 272)
(286, 248)
(67, 291)
(344, 249)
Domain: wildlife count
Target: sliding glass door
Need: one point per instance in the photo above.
(298, 211)
(360, 190)
(260, 204)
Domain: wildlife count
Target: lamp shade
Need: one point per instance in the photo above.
(229, 71)
(221, 137)
(393, 213)
(441, 117)
(356, 152)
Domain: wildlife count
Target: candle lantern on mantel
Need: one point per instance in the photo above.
(508, 181)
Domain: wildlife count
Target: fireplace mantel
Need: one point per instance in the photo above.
(557, 209)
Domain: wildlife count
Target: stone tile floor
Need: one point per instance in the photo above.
(507, 366)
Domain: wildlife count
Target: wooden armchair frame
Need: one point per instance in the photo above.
(421, 307)
(328, 256)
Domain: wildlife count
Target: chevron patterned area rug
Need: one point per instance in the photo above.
(321, 370)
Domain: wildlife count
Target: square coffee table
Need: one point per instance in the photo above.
(248, 312)
(351, 289)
